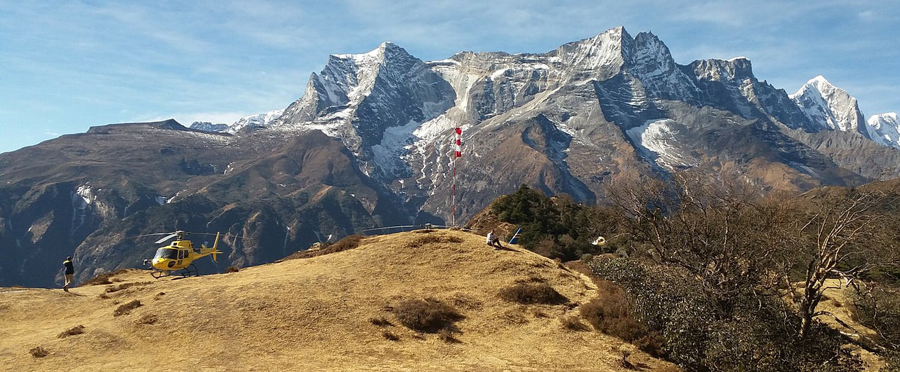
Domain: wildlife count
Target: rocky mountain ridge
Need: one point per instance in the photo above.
(371, 143)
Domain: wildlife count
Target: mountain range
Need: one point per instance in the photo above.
(372, 143)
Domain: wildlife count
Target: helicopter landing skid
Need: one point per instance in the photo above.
(190, 271)
(156, 274)
(186, 272)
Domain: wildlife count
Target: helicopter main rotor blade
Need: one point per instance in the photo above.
(170, 236)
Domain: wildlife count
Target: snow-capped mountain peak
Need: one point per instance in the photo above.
(254, 121)
(601, 54)
(830, 106)
(885, 129)
(358, 97)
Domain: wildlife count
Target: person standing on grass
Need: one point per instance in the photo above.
(70, 270)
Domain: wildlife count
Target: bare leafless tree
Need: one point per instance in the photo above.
(836, 238)
(719, 229)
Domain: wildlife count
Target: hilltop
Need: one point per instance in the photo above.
(326, 313)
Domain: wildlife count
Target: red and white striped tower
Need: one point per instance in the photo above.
(458, 155)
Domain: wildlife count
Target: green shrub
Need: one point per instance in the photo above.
(587, 258)
(891, 361)
(879, 309)
(751, 333)
(556, 227)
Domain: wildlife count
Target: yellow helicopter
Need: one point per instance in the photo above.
(179, 255)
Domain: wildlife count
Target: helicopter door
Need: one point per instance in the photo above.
(181, 254)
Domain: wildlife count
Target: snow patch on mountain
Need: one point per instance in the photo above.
(388, 154)
(658, 140)
(884, 129)
(82, 199)
(86, 194)
(208, 126)
(431, 139)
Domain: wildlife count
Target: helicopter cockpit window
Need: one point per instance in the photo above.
(167, 253)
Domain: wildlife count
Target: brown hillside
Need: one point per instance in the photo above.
(329, 313)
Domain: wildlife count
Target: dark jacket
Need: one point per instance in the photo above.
(70, 269)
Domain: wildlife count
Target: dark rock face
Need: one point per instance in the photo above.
(91, 196)
(371, 143)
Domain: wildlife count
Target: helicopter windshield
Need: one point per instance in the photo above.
(167, 253)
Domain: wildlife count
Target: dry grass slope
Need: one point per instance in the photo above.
(335, 312)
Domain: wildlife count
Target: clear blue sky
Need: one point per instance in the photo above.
(68, 65)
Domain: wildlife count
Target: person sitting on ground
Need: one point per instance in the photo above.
(493, 240)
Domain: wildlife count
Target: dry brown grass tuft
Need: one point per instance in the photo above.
(532, 293)
(380, 322)
(428, 315)
(123, 286)
(531, 279)
(148, 319)
(461, 300)
(432, 239)
(76, 330)
(448, 335)
(126, 308)
(38, 352)
(104, 278)
(612, 316)
(610, 313)
(572, 323)
(232, 269)
(390, 335)
(347, 243)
